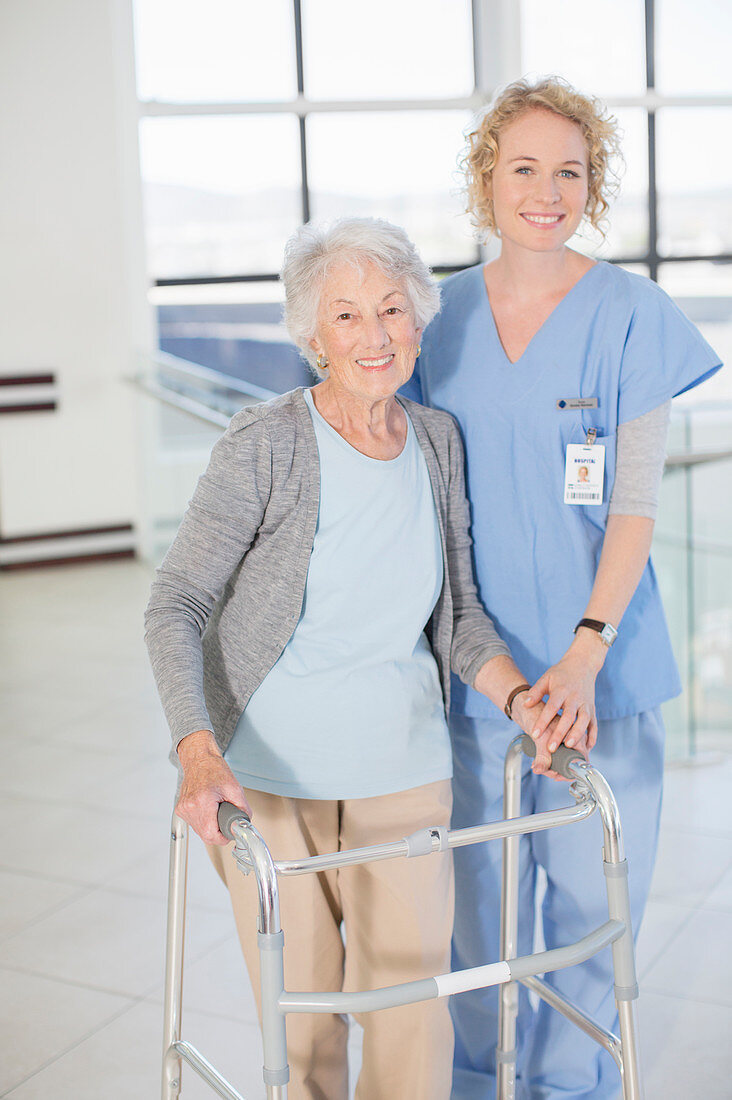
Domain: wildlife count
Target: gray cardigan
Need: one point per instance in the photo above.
(228, 595)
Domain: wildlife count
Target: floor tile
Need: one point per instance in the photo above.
(71, 843)
(31, 714)
(142, 789)
(689, 866)
(40, 1018)
(218, 983)
(48, 770)
(685, 1049)
(696, 796)
(122, 1061)
(662, 921)
(72, 679)
(148, 876)
(83, 874)
(697, 962)
(68, 661)
(721, 896)
(26, 898)
(108, 941)
(129, 722)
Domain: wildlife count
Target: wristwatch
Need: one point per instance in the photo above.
(509, 702)
(607, 631)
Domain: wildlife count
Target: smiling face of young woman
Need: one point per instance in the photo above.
(539, 185)
(366, 331)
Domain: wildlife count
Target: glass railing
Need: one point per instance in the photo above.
(192, 405)
(692, 553)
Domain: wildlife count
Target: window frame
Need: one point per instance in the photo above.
(496, 60)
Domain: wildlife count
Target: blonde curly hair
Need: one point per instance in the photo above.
(552, 93)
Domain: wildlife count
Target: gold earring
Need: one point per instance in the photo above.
(322, 362)
(419, 350)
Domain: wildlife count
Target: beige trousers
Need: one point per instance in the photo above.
(398, 922)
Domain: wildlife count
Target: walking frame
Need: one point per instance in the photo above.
(590, 791)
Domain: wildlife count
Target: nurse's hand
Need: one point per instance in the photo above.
(569, 687)
(207, 782)
(525, 718)
(543, 756)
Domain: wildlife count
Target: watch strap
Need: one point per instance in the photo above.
(607, 631)
(593, 624)
(512, 695)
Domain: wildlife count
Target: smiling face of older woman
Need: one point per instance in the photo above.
(365, 331)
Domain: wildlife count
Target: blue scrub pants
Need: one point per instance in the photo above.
(555, 1059)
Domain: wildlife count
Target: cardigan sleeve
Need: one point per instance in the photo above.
(219, 526)
(475, 639)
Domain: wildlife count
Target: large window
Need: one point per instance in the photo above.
(256, 118)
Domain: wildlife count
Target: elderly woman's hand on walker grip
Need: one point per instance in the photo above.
(207, 782)
(524, 715)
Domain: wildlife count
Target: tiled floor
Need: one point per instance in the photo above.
(85, 799)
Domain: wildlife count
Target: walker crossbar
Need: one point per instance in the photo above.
(590, 792)
(581, 1019)
(205, 1070)
(459, 981)
(456, 838)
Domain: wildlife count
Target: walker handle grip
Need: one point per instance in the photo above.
(228, 814)
(561, 759)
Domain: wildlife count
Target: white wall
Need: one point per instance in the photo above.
(72, 275)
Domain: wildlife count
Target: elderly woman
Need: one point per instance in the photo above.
(551, 361)
(302, 629)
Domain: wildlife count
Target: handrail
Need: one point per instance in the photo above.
(207, 374)
(210, 381)
(697, 544)
(684, 461)
(176, 401)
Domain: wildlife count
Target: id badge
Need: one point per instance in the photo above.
(584, 473)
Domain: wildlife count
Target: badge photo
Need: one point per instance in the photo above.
(584, 473)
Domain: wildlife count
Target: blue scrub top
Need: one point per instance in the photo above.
(616, 337)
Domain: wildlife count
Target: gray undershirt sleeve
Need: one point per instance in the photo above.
(641, 453)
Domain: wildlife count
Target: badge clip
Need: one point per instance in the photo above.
(591, 436)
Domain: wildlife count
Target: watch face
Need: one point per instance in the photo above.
(608, 634)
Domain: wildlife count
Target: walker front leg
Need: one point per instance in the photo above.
(615, 867)
(177, 875)
(252, 854)
(509, 993)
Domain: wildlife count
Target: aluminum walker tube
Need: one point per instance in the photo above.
(252, 853)
(618, 898)
(508, 996)
(174, 957)
(591, 791)
(506, 1050)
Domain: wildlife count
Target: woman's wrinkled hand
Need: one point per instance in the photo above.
(569, 686)
(546, 743)
(543, 758)
(207, 782)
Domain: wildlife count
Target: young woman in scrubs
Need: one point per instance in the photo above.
(551, 361)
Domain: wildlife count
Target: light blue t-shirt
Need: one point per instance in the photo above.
(353, 707)
(616, 338)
